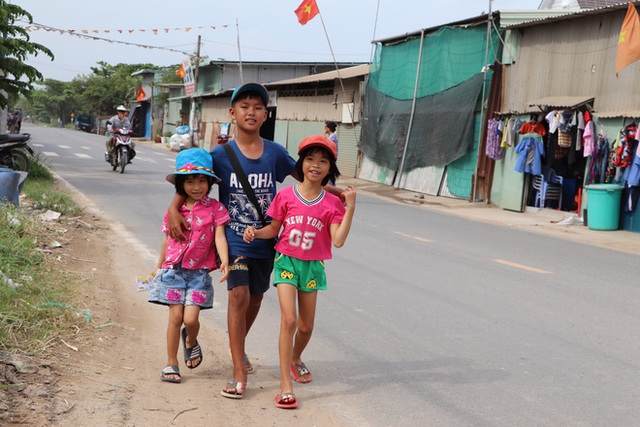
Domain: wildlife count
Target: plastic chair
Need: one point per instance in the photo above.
(548, 187)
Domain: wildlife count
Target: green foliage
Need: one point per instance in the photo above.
(34, 314)
(25, 322)
(98, 93)
(38, 188)
(16, 78)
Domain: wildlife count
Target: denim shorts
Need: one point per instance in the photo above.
(181, 286)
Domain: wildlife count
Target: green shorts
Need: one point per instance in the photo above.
(307, 276)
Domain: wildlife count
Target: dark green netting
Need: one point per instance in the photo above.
(442, 129)
(450, 56)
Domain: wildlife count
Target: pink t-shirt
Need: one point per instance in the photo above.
(197, 251)
(306, 233)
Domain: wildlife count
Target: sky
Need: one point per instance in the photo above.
(266, 30)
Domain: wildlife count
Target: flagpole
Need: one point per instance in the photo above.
(375, 28)
(335, 62)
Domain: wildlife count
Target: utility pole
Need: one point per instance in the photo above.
(193, 121)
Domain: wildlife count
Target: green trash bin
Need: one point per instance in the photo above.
(603, 206)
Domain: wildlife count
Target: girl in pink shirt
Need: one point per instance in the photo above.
(311, 220)
(182, 281)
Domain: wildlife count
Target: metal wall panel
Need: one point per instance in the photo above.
(371, 172)
(573, 57)
(308, 108)
(423, 180)
(348, 137)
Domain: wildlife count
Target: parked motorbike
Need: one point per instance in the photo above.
(123, 151)
(12, 152)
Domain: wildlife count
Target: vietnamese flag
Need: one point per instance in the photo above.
(307, 10)
(141, 94)
(180, 73)
(629, 40)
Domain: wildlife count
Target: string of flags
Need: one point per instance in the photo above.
(155, 31)
(88, 34)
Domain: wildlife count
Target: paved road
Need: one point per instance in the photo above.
(430, 318)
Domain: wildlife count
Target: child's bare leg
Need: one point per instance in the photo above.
(191, 320)
(306, 318)
(288, 319)
(173, 336)
(238, 304)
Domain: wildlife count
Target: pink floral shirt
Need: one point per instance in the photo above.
(197, 251)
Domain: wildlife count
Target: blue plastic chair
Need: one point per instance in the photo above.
(548, 187)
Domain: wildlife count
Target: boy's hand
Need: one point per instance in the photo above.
(249, 234)
(176, 224)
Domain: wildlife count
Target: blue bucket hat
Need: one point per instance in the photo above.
(254, 87)
(193, 161)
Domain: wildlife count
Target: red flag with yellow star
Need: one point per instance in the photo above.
(307, 10)
(629, 40)
(141, 95)
(180, 73)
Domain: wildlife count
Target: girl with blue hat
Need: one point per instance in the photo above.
(182, 281)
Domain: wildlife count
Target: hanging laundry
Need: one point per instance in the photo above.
(626, 146)
(493, 149)
(530, 151)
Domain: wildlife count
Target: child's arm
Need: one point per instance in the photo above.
(163, 252)
(339, 232)
(177, 221)
(267, 232)
(223, 250)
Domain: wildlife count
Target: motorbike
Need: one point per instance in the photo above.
(123, 150)
(12, 152)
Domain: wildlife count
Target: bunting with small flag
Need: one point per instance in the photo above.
(629, 40)
(307, 10)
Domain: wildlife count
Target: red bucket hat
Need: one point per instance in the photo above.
(319, 141)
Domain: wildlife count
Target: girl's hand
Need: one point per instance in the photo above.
(224, 271)
(349, 196)
(249, 234)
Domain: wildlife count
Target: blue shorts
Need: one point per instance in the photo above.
(181, 286)
(252, 272)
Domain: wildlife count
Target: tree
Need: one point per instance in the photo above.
(16, 78)
(56, 100)
(109, 86)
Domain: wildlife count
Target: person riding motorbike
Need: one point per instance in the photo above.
(119, 121)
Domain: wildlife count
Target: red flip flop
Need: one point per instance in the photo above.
(298, 370)
(286, 401)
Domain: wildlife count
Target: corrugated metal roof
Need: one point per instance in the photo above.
(562, 101)
(507, 18)
(572, 15)
(345, 73)
(617, 114)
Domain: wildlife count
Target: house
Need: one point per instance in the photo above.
(299, 107)
(422, 107)
(146, 115)
(215, 83)
(566, 64)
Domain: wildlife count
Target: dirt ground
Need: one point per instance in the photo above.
(107, 373)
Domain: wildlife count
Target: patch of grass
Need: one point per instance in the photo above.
(39, 188)
(28, 322)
